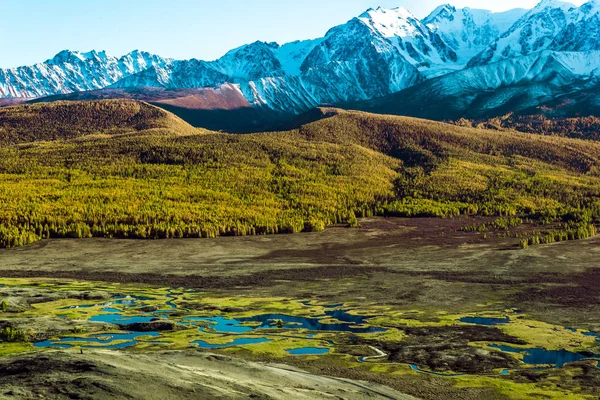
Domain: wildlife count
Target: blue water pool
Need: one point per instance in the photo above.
(540, 356)
(308, 351)
(104, 341)
(111, 310)
(485, 320)
(237, 342)
(352, 323)
(119, 319)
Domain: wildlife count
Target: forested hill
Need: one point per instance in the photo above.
(68, 120)
(577, 127)
(129, 170)
(419, 142)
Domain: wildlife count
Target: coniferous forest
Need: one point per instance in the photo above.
(127, 169)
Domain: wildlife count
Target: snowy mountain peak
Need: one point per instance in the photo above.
(66, 56)
(468, 31)
(581, 31)
(552, 4)
(399, 12)
(70, 57)
(534, 32)
(73, 71)
(589, 9)
(391, 22)
(445, 11)
(96, 55)
(380, 52)
(252, 61)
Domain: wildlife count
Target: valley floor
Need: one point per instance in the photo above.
(416, 275)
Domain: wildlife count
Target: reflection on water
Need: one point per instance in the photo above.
(539, 356)
(129, 309)
(485, 321)
(308, 351)
(352, 323)
(100, 341)
(237, 342)
(120, 319)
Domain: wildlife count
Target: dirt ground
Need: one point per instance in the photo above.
(401, 244)
(415, 263)
(427, 265)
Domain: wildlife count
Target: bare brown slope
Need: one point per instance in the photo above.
(217, 109)
(224, 98)
(12, 101)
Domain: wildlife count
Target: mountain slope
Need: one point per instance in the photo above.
(416, 42)
(494, 89)
(176, 75)
(474, 62)
(379, 52)
(468, 31)
(418, 142)
(159, 183)
(354, 62)
(70, 71)
(583, 33)
(551, 25)
(251, 62)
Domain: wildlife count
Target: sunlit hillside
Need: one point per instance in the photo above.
(129, 170)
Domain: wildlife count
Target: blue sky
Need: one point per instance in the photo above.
(34, 30)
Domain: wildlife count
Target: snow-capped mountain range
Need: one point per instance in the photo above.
(73, 71)
(453, 52)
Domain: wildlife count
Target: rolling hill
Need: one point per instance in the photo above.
(147, 174)
(68, 120)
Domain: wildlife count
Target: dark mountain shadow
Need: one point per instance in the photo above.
(238, 120)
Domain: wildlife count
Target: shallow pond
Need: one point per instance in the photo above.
(487, 321)
(351, 323)
(103, 341)
(205, 329)
(131, 309)
(538, 356)
(308, 351)
(354, 324)
(120, 319)
(237, 342)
